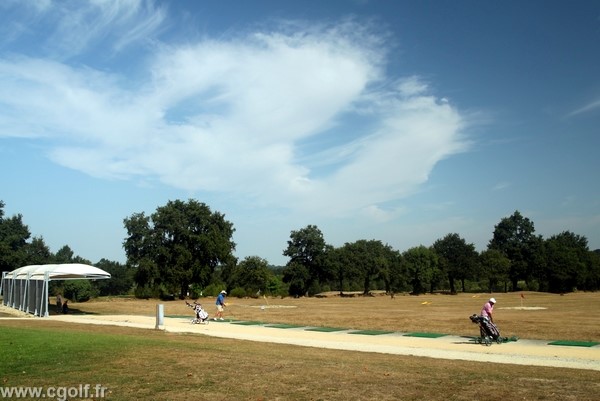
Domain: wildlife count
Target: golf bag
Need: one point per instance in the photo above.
(201, 314)
(488, 331)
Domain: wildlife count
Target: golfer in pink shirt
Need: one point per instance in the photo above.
(488, 309)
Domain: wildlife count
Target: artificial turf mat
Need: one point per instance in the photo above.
(575, 343)
(370, 332)
(425, 335)
(325, 329)
(249, 323)
(284, 326)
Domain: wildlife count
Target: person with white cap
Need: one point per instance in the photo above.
(220, 305)
(488, 309)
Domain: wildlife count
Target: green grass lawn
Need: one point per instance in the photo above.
(36, 352)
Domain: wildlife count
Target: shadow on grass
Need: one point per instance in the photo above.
(73, 311)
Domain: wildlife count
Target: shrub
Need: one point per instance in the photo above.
(212, 290)
(165, 294)
(196, 291)
(238, 292)
(144, 292)
(79, 290)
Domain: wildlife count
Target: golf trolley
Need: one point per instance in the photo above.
(201, 315)
(488, 332)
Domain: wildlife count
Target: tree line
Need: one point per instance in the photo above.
(515, 259)
(186, 249)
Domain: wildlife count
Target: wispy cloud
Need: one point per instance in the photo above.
(65, 29)
(501, 186)
(586, 108)
(232, 115)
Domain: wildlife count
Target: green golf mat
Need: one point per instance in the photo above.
(425, 335)
(244, 323)
(575, 343)
(284, 326)
(325, 329)
(371, 332)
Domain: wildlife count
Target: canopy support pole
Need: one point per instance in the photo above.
(45, 295)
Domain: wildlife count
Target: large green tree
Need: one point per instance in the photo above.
(567, 261)
(307, 268)
(457, 259)
(368, 260)
(180, 244)
(514, 237)
(13, 241)
(343, 270)
(38, 253)
(422, 267)
(495, 268)
(64, 255)
(140, 250)
(592, 278)
(296, 276)
(253, 275)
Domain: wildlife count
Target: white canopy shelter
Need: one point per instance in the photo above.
(26, 288)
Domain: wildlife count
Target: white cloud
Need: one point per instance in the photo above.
(412, 86)
(230, 115)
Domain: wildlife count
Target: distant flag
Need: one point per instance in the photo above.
(522, 298)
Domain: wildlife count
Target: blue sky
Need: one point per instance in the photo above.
(400, 121)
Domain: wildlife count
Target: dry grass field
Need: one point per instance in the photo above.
(538, 316)
(138, 364)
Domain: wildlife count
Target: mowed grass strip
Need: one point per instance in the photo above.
(248, 323)
(137, 364)
(325, 329)
(371, 332)
(425, 335)
(284, 326)
(574, 343)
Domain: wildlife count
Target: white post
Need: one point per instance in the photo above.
(25, 293)
(13, 292)
(44, 300)
(160, 317)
